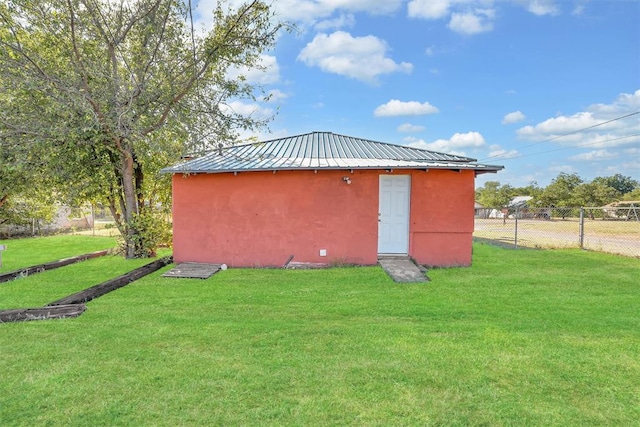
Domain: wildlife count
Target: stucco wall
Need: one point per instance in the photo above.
(261, 218)
(441, 228)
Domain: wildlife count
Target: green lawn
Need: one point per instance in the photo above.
(526, 337)
(21, 253)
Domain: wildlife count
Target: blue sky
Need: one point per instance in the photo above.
(509, 82)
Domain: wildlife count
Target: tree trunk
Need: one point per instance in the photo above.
(139, 182)
(130, 203)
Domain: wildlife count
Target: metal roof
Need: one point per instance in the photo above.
(324, 150)
(519, 201)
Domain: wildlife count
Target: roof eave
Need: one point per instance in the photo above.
(479, 169)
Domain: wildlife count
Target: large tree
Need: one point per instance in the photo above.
(112, 90)
(594, 193)
(22, 183)
(494, 195)
(561, 191)
(623, 184)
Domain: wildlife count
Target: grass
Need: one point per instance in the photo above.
(525, 337)
(21, 253)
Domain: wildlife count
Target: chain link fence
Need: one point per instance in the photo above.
(605, 229)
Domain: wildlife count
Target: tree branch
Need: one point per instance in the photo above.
(83, 71)
(210, 57)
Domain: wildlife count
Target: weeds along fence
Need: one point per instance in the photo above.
(604, 229)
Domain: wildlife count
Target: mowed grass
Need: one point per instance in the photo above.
(526, 337)
(21, 253)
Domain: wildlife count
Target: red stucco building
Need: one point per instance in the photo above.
(324, 198)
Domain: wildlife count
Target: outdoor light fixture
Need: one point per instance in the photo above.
(346, 179)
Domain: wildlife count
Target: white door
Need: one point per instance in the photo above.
(393, 214)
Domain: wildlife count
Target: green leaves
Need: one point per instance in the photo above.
(566, 190)
(106, 93)
(494, 195)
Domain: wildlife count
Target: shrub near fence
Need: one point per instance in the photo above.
(613, 230)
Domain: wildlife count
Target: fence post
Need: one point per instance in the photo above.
(515, 237)
(581, 228)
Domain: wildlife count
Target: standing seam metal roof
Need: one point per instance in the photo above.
(323, 150)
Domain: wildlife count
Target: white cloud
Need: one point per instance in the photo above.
(401, 108)
(423, 145)
(594, 156)
(513, 117)
(578, 10)
(463, 19)
(497, 152)
(542, 7)
(626, 168)
(361, 58)
(625, 103)
(247, 109)
(276, 95)
(306, 13)
(333, 14)
(429, 9)
(267, 71)
(589, 127)
(409, 128)
(251, 136)
(476, 16)
(311, 11)
(342, 21)
(454, 145)
(478, 21)
(559, 125)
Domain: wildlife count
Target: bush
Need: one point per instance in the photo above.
(152, 230)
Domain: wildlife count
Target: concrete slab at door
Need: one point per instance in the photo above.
(393, 214)
(401, 269)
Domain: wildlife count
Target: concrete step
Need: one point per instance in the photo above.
(401, 269)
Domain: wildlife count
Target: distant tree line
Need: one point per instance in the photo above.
(566, 190)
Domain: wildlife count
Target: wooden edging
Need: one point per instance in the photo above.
(113, 284)
(74, 305)
(49, 266)
(42, 313)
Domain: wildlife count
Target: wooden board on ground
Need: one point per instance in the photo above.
(294, 265)
(113, 284)
(23, 272)
(42, 313)
(193, 270)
